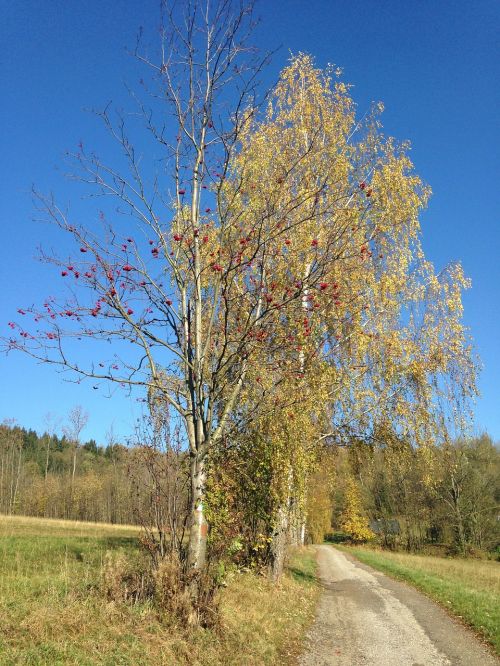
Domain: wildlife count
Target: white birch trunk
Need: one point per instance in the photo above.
(198, 533)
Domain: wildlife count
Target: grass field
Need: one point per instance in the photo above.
(52, 613)
(470, 589)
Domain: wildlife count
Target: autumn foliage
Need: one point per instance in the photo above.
(271, 291)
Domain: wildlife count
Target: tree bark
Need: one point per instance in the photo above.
(302, 531)
(279, 542)
(197, 550)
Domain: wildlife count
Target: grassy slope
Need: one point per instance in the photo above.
(50, 613)
(468, 588)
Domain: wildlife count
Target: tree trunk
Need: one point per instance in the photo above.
(198, 533)
(459, 529)
(47, 458)
(279, 542)
(296, 524)
(17, 480)
(74, 468)
(459, 523)
(72, 488)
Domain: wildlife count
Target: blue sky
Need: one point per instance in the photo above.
(434, 64)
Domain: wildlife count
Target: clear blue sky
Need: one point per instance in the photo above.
(434, 64)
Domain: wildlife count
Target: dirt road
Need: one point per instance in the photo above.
(366, 618)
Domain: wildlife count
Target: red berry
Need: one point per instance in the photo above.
(181, 192)
(362, 186)
(168, 302)
(208, 210)
(127, 268)
(177, 237)
(83, 249)
(64, 273)
(314, 242)
(130, 311)
(323, 285)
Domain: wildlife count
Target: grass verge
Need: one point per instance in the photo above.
(50, 613)
(468, 588)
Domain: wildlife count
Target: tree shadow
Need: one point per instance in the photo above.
(301, 575)
(127, 542)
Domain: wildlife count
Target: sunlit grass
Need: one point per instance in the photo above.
(26, 525)
(51, 611)
(468, 588)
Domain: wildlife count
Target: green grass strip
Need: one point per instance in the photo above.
(479, 608)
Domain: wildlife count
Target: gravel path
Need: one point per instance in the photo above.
(366, 618)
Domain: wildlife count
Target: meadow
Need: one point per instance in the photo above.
(53, 610)
(468, 588)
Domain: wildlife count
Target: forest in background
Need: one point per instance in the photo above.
(444, 499)
(36, 477)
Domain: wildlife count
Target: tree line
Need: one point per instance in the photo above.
(49, 476)
(443, 498)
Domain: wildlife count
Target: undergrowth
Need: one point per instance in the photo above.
(55, 607)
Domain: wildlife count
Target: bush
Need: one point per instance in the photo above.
(337, 537)
(178, 597)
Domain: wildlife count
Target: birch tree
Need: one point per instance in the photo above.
(250, 241)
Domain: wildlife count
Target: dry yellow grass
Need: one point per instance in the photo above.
(478, 574)
(51, 613)
(25, 525)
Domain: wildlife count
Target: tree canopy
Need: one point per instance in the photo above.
(266, 278)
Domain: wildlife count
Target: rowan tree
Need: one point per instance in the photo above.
(280, 242)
